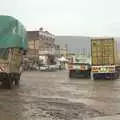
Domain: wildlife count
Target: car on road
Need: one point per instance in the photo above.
(44, 67)
(53, 67)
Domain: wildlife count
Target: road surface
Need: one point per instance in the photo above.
(53, 96)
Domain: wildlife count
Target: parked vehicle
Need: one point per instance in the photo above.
(104, 58)
(13, 47)
(44, 67)
(54, 67)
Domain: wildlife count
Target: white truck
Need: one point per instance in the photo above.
(79, 66)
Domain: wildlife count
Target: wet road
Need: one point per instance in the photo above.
(53, 96)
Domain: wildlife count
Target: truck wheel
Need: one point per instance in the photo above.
(117, 76)
(70, 75)
(17, 80)
(8, 83)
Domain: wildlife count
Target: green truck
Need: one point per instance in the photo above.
(105, 59)
(13, 47)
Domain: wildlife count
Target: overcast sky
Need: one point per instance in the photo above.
(67, 17)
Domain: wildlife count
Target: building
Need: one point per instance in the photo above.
(41, 43)
(47, 42)
(33, 43)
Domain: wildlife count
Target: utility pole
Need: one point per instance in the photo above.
(66, 48)
(84, 53)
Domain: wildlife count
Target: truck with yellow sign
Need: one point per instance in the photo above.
(104, 58)
(13, 47)
(79, 66)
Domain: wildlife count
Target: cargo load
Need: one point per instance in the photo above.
(104, 56)
(13, 47)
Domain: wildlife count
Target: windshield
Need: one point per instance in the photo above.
(3, 53)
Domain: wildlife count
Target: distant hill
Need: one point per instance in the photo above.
(118, 42)
(78, 43)
(75, 43)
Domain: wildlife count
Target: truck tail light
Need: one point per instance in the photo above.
(94, 69)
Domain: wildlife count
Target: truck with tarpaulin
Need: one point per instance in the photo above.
(13, 47)
(79, 66)
(105, 59)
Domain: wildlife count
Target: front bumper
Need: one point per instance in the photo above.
(79, 73)
(106, 75)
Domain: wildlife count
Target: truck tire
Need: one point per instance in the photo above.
(70, 75)
(17, 80)
(116, 76)
(8, 83)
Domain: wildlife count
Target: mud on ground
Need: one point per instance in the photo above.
(53, 96)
